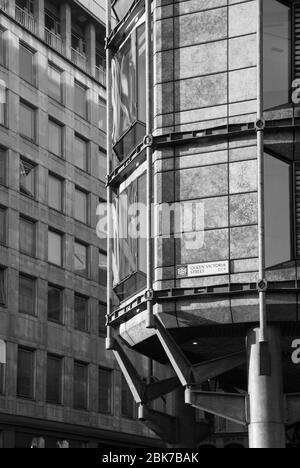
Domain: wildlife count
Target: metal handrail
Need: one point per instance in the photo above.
(26, 19)
(79, 59)
(53, 40)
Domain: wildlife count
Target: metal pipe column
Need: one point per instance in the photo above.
(109, 156)
(266, 428)
(150, 322)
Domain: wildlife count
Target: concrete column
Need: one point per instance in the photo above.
(11, 5)
(66, 28)
(267, 428)
(188, 434)
(90, 37)
(39, 13)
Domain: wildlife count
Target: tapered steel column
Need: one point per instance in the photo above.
(266, 399)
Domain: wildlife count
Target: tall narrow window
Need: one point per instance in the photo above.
(80, 385)
(27, 295)
(55, 87)
(102, 164)
(102, 114)
(80, 99)
(102, 319)
(55, 248)
(55, 304)
(27, 178)
(55, 135)
(25, 374)
(2, 48)
(81, 259)
(27, 121)
(81, 153)
(81, 313)
(3, 103)
(54, 368)
(2, 226)
(105, 391)
(128, 408)
(277, 53)
(102, 269)
(26, 64)
(2, 365)
(55, 193)
(3, 160)
(27, 233)
(81, 205)
(277, 210)
(2, 287)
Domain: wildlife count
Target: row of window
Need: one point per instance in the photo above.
(27, 376)
(56, 90)
(55, 303)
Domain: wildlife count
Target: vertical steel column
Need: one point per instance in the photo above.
(150, 321)
(109, 344)
(266, 428)
(260, 164)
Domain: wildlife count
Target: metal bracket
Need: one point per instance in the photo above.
(231, 406)
(148, 141)
(164, 425)
(260, 125)
(149, 295)
(262, 285)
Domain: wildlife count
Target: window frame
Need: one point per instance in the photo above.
(53, 176)
(33, 53)
(61, 73)
(61, 236)
(60, 385)
(86, 300)
(54, 122)
(33, 122)
(82, 244)
(33, 374)
(33, 223)
(34, 299)
(80, 190)
(3, 272)
(61, 304)
(3, 229)
(84, 115)
(33, 166)
(85, 366)
(86, 168)
(111, 390)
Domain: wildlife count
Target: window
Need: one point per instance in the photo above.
(102, 164)
(2, 226)
(27, 233)
(27, 294)
(55, 304)
(55, 135)
(26, 63)
(277, 53)
(2, 365)
(81, 259)
(27, 178)
(80, 153)
(55, 87)
(81, 206)
(277, 211)
(102, 319)
(2, 287)
(3, 159)
(27, 121)
(3, 103)
(103, 269)
(102, 114)
(81, 313)
(54, 368)
(55, 193)
(2, 48)
(54, 248)
(25, 374)
(80, 99)
(105, 391)
(128, 405)
(80, 385)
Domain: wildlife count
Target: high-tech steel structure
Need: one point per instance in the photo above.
(203, 131)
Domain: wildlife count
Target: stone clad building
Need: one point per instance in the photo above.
(212, 131)
(58, 386)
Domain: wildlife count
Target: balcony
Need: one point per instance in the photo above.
(3, 5)
(101, 75)
(79, 59)
(53, 40)
(26, 19)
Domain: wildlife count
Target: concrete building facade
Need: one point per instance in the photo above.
(58, 385)
(214, 297)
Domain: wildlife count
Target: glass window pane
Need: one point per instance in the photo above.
(25, 375)
(2, 287)
(102, 114)
(80, 153)
(27, 236)
(27, 178)
(81, 313)
(55, 138)
(102, 165)
(55, 83)
(55, 193)
(141, 74)
(2, 226)
(54, 248)
(80, 386)
(2, 166)
(3, 103)
(80, 101)
(277, 211)
(81, 205)
(105, 391)
(277, 53)
(80, 260)
(102, 319)
(2, 48)
(102, 269)
(26, 295)
(26, 64)
(53, 380)
(27, 121)
(54, 304)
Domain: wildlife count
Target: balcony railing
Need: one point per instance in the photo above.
(4, 5)
(53, 40)
(79, 59)
(101, 75)
(26, 19)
